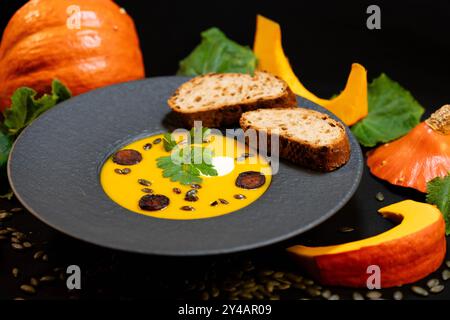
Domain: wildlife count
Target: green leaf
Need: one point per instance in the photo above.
(5, 148)
(25, 108)
(393, 112)
(438, 193)
(169, 142)
(217, 53)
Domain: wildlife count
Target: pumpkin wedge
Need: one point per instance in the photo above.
(86, 44)
(350, 106)
(406, 253)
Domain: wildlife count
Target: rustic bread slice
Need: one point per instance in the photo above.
(219, 99)
(307, 137)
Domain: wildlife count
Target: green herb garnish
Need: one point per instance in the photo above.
(199, 133)
(168, 142)
(393, 112)
(187, 163)
(217, 53)
(438, 193)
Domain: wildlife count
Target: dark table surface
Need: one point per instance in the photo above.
(322, 39)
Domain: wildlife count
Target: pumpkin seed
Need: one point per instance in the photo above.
(196, 186)
(118, 171)
(373, 295)
(223, 201)
(147, 190)
(191, 195)
(34, 282)
(294, 278)
(446, 274)
(187, 208)
(15, 240)
(147, 146)
(346, 229)
(215, 292)
(176, 190)
(398, 295)
(357, 296)
(214, 203)
(326, 294)
(432, 283)
(38, 255)
(239, 197)
(4, 232)
(308, 282)
(266, 272)
(16, 209)
(379, 196)
(144, 182)
(45, 257)
(5, 216)
(157, 140)
(47, 279)
(447, 263)
(419, 291)
(28, 289)
(313, 292)
(126, 170)
(27, 244)
(18, 298)
(437, 289)
(15, 272)
(334, 297)
(278, 275)
(16, 246)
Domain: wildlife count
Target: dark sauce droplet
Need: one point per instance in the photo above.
(153, 202)
(127, 157)
(250, 180)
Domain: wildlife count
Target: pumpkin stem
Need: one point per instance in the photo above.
(440, 120)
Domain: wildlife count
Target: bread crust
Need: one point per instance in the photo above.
(229, 115)
(319, 158)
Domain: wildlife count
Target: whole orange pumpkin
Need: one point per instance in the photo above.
(84, 43)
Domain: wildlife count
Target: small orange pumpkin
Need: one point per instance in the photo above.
(418, 157)
(84, 43)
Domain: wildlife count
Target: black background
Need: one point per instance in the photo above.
(321, 39)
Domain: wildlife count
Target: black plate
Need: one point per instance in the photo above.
(54, 171)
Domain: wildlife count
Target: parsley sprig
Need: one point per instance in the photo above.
(187, 162)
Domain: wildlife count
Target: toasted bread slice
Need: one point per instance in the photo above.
(307, 137)
(220, 99)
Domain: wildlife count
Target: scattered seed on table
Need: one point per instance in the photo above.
(239, 196)
(313, 292)
(346, 229)
(15, 240)
(38, 255)
(278, 275)
(16, 209)
(373, 295)
(447, 263)
(34, 282)
(4, 232)
(156, 141)
(357, 296)
(28, 289)
(147, 146)
(432, 283)
(446, 274)
(334, 297)
(16, 246)
(5, 215)
(144, 182)
(47, 278)
(15, 272)
(379, 196)
(45, 257)
(398, 295)
(18, 298)
(326, 294)
(437, 289)
(308, 282)
(419, 291)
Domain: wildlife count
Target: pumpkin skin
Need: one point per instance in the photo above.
(37, 46)
(405, 254)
